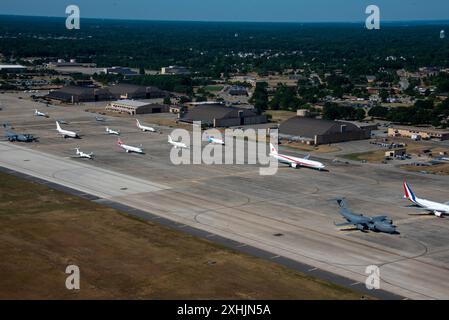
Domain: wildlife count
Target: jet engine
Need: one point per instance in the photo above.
(438, 214)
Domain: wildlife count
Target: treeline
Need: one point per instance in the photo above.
(212, 48)
(422, 112)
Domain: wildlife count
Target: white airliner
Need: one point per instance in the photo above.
(81, 154)
(40, 114)
(176, 144)
(66, 133)
(295, 162)
(144, 128)
(110, 131)
(214, 140)
(129, 149)
(438, 209)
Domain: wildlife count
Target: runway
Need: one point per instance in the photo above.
(288, 216)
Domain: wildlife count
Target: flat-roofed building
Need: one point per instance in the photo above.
(76, 94)
(133, 107)
(131, 91)
(417, 133)
(12, 68)
(174, 70)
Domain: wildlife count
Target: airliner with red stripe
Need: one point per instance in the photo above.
(128, 148)
(295, 162)
(438, 209)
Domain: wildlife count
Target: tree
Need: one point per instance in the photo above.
(167, 101)
(260, 97)
(378, 112)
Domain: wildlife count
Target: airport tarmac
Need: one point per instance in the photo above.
(288, 214)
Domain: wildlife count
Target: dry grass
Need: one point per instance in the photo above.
(44, 230)
(440, 169)
(280, 115)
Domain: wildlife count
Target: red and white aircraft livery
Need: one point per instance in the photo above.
(129, 149)
(295, 162)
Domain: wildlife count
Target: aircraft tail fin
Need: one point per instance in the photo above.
(58, 126)
(273, 150)
(119, 142)
(341, 202)
(408, 192)
(138, 123)
(170, 139)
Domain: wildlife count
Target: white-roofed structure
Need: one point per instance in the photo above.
(133, 107)
(12, 68)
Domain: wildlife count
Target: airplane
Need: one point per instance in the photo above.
(144, 128)
(362, 223)
(128, 148)
(100, 119)
(13, 136)
(214, 140)
(438, 209)
(176, 144)
(296, 162)
(40, 114)
(66, 133)
(110, 131)
(81, 154)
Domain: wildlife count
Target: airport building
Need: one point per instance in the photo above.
(238, 91)
(316, 131)
(124, 71)
(12, 68)
(219, 115)
(134, 107)
(174, 70)
(131, 91)
(76, 94)
(416, 133)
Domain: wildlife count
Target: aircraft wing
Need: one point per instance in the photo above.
(345, 224)
(379, 218)
(307, 156)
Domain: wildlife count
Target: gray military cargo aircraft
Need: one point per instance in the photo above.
(363, 223)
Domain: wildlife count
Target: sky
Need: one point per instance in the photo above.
(235, 10)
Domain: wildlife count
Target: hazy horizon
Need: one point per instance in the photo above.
(281, 11)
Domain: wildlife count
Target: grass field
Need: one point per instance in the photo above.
(44, 231)
(213, 88)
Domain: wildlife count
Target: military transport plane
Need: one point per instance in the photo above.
(81, 154)
(130, 149)
(13, 137)
(144, 128)
(176, 144)
(362, 223)
(110, 131)
(438, 209)
(40, 114)
(296, 162)
(66, 133)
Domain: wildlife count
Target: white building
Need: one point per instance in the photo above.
(174, 70)
(12, 68)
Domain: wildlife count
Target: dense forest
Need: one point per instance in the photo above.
(212, 48)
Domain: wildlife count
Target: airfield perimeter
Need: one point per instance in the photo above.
(288, 214)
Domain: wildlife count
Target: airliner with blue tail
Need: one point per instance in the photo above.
(438, 209)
